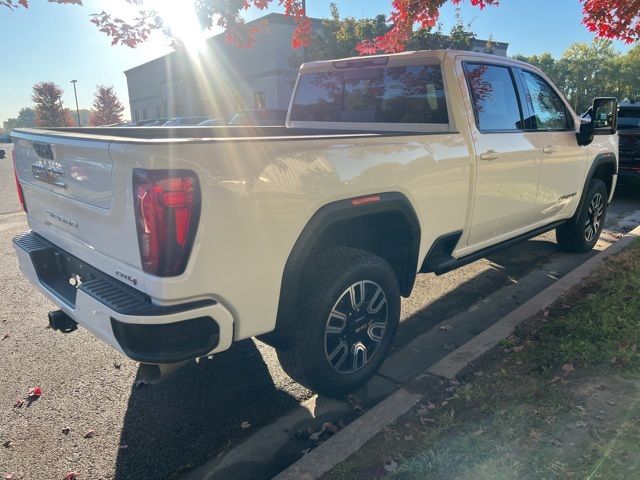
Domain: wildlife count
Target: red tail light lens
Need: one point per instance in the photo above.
(18, 186)
(167, 207)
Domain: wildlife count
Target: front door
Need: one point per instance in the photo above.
(552, 132)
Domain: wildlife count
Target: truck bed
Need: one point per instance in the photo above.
(153, 134)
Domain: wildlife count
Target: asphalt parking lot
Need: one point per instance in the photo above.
(163, 431)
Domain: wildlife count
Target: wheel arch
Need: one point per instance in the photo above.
(605, 168)
(386, 225)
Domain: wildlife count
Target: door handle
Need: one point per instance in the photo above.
(489, 155)
(549, 149)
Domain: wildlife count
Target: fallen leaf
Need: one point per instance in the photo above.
(518, 348)
(534, 435)
(445, 328)
(356, 404)
(612, 402)
(10, 476)
(71, 476)
(545, 314)
(66, 430)
(315, 437)
(34, 393)
(567, 368)
(408, 438)
(117, 365)
(7, 444)
(305, 451)
(18, 404)
(245, 425)
(123, 447)
(139, 383)
(581, 424)
(5, 336)
(390, 465)
(479, 373)
(89, 434)
(478, 432)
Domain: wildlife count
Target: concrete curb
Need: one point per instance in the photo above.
(351, 438)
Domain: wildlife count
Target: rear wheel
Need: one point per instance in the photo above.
(347, 319)
(581, 233)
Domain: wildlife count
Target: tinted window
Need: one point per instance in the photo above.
(629, 117)
(494, 97)
(413, 94)
(548, 109)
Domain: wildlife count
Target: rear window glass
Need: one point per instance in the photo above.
(494, 97)
(413, 94)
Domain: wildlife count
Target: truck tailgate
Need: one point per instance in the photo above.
(73, 198)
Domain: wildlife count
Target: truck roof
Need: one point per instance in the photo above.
(400, 59)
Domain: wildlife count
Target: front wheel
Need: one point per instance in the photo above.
(347, 319)
(580, 234)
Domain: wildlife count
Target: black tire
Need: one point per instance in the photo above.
(581, 233)
(322, 338)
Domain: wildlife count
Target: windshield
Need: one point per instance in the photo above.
(629, 118)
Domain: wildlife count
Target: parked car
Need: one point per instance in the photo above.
(309, 234)
(184, 121)
(629, 131)
(255, 118)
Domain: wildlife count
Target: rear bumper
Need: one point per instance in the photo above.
(120, 315)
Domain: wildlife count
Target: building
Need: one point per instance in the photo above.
(223, 78)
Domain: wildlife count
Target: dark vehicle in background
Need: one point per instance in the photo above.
(265, 117)
(629, 143)
(5, 138)
(184, 121)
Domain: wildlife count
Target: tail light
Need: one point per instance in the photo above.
(18, 186)
(167, 207)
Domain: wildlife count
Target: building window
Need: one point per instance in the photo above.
(259, 100)
(137, 115)
(158, 112)
(144, 114)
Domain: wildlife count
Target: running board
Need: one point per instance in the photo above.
(439, 259)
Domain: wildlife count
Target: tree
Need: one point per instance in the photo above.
(612, 19)
(339, 37)
(107, 108)
(47, 99)
(26, 118)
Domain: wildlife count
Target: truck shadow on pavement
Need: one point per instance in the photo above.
(195, 414)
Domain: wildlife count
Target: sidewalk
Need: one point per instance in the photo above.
(560, 398)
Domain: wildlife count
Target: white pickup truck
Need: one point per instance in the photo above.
(171, 243)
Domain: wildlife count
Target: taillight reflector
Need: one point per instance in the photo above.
(18, 186)
(167, 206)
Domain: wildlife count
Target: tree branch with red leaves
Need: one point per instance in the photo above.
(613, 19)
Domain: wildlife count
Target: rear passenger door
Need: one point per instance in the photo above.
(507, 163)
(552, 132)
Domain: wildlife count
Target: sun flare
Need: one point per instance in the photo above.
(180, 17)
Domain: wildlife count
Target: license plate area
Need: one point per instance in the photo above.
(62, 273)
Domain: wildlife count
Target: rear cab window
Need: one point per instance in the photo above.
(390, 96)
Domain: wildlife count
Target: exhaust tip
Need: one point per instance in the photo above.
(156, 373)
(58, 320)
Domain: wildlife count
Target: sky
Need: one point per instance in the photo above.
(57, 43)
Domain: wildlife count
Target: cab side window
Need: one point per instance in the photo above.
(548, 110)
(494, 97)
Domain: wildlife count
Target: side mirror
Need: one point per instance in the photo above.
(601, 119)
(3, 154)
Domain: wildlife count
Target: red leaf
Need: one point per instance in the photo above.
(18, 404)
(34, 392)
(89, 434)
(71, 476)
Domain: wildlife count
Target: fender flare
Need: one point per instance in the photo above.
(606, 158)
(326, 216)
